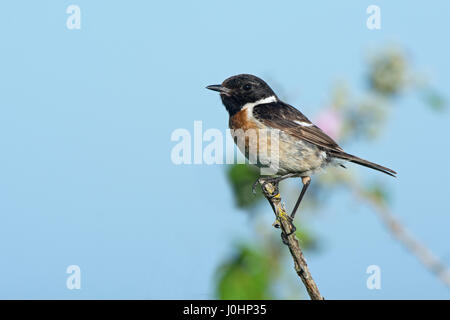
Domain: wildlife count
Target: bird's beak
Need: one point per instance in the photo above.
(219, 88)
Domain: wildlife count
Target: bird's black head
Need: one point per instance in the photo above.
(239, 90)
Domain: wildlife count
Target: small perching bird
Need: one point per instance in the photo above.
(303, 148)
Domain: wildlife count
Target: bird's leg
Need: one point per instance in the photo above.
(306, 181)
(273, 180)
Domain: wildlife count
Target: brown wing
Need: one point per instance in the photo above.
(286, 118)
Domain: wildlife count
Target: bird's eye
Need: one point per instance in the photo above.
(247, 87)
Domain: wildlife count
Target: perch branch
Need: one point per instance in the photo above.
(270, 191)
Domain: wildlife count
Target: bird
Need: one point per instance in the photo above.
(303, 148)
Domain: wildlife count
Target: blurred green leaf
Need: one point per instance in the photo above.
(307, 240)
(364, 121)
(242, 177)
(387, 75)
(434, 100)
(378, 192)
(245, 276)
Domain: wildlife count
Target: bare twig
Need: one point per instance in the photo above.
(270, 191)
(420, 251)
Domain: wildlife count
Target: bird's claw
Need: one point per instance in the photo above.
(258, 181)
(276, 224)
(263, 182)
(284, 236)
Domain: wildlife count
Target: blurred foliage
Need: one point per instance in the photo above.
(241, 178)
(246, 275)
(308, 240)
(363, 121)
(434, 100)
(253, 271)
(378, 192)
(388, 72)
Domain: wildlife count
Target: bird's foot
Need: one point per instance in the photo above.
(285, 235)
(272, 180)
(263, 182)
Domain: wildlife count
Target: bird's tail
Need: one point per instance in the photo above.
(365, 163)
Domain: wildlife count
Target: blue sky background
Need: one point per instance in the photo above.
(85, 123)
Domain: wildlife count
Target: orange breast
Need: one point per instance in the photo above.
(249, 142)
(240, 121)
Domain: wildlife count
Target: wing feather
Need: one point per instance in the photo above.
(280, 115)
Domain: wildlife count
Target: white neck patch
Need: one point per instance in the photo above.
(249, 105)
